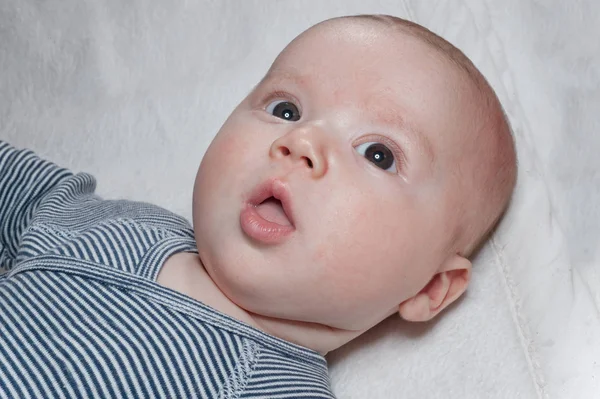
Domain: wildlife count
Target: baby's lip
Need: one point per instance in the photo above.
(255, 225)
(277, 189)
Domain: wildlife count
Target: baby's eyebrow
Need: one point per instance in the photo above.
(282, 75)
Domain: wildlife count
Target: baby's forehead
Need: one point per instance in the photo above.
(355, 53)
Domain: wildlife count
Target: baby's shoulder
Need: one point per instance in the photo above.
(73, 205)
(73, 221)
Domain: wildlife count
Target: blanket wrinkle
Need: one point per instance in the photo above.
(519, 320)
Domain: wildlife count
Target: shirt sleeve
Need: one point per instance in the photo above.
(24, 181)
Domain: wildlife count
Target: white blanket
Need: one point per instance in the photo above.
(133, 92)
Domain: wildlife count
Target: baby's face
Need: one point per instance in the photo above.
(357, 133)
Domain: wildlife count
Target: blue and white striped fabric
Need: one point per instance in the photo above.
(81, 315)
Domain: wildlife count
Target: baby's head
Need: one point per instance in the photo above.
(389, 159)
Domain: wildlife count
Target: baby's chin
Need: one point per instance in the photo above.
(296, 311)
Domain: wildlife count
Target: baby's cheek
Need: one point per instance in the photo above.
(230, 155)
(377, 243)
(232, 147)
(346, 250)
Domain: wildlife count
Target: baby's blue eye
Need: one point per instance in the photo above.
(284, 110)
(379, 155)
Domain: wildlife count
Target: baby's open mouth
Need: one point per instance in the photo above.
(272, 210)
(267, 214)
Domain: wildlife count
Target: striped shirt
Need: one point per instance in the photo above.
(81, 314)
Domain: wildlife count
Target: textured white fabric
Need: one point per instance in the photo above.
(133, 92)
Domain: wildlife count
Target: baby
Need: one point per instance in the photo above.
(352, 183)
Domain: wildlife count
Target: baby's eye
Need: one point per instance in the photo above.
(379, 155)
(284, 110)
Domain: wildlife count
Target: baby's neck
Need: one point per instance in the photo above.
(184, 272)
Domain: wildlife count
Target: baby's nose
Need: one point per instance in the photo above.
(300, 147)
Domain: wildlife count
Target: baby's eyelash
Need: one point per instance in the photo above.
(281, 95)
(278, 94)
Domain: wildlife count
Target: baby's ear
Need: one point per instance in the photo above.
(443, 289)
